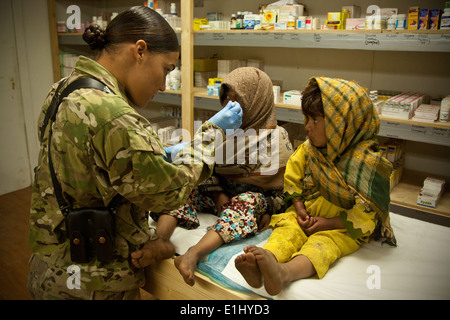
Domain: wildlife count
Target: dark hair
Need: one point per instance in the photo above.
(136, 23)
(312, 105)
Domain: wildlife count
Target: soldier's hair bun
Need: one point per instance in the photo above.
(95, 37)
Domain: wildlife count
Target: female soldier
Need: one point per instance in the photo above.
(101, 147)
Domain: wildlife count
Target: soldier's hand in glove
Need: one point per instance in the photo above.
(172, 151)
(230, 117)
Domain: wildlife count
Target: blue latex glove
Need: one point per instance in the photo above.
(230, 117)
(172, 151)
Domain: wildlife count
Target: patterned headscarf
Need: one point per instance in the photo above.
(353, 161)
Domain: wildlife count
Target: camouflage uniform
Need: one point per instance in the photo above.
(100, 147)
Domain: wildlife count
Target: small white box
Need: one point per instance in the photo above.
(293, 97)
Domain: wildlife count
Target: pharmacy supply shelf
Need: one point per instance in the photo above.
(405, 194)
(384, 40)
(433, 133)
(426, 41)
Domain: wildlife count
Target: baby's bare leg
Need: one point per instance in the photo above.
(187, 263)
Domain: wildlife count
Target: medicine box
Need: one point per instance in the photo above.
(413, 18)
(424, 17)
(335, 20)
(354, 11)
(201, 65)
(356, 24)
(435, 15)
(293, 97)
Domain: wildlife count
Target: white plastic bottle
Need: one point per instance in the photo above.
(445, 108)
(445, 20)
(173, 9)
(175, 79)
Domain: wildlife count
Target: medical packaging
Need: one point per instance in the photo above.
(435, 15)
(413, 18)
(293, 97)
(354, 11)
(402, 106)
(445, 109)
(426, 113)
(205, 65)
(424, 19)
(355, 24)
(431, 192)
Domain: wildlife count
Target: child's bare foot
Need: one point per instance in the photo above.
(271, 270)
(247, 266)
(154, 250)
(186, 265)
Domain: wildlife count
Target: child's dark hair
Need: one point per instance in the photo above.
(312, 105)
(136, 23)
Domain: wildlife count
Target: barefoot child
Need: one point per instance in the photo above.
(337, 186)
(243, 195)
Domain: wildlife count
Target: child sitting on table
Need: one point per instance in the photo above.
(336, 186)
(242, 195)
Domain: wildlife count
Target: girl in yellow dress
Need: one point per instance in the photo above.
(336, 186)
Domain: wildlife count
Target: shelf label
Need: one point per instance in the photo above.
(218, 36)
(439, 132)
(317, 37)
(372, 40)
(418, 129)
(424, 39)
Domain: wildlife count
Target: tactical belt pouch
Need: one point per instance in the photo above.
(91, 231)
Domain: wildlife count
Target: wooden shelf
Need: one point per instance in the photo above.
(405, 194)
(378, 40)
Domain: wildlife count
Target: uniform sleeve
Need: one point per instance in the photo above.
(294, 175)
(360, 221)
(132, 158)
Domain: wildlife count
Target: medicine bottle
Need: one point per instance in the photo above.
(233, 21)
(173, 9)
(445, 19)
(239, 20)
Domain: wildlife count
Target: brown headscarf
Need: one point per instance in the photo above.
(254, 89)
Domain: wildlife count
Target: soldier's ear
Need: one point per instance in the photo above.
(140, 49)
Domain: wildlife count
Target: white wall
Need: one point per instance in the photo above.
(35, 63)
(29, 58)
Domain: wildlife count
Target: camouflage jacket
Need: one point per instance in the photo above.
(100, 147)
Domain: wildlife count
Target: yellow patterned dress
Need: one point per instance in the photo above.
(348, 179)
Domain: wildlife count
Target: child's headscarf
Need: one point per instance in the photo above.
(255, 92)
(254, 89)
(352, 161)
